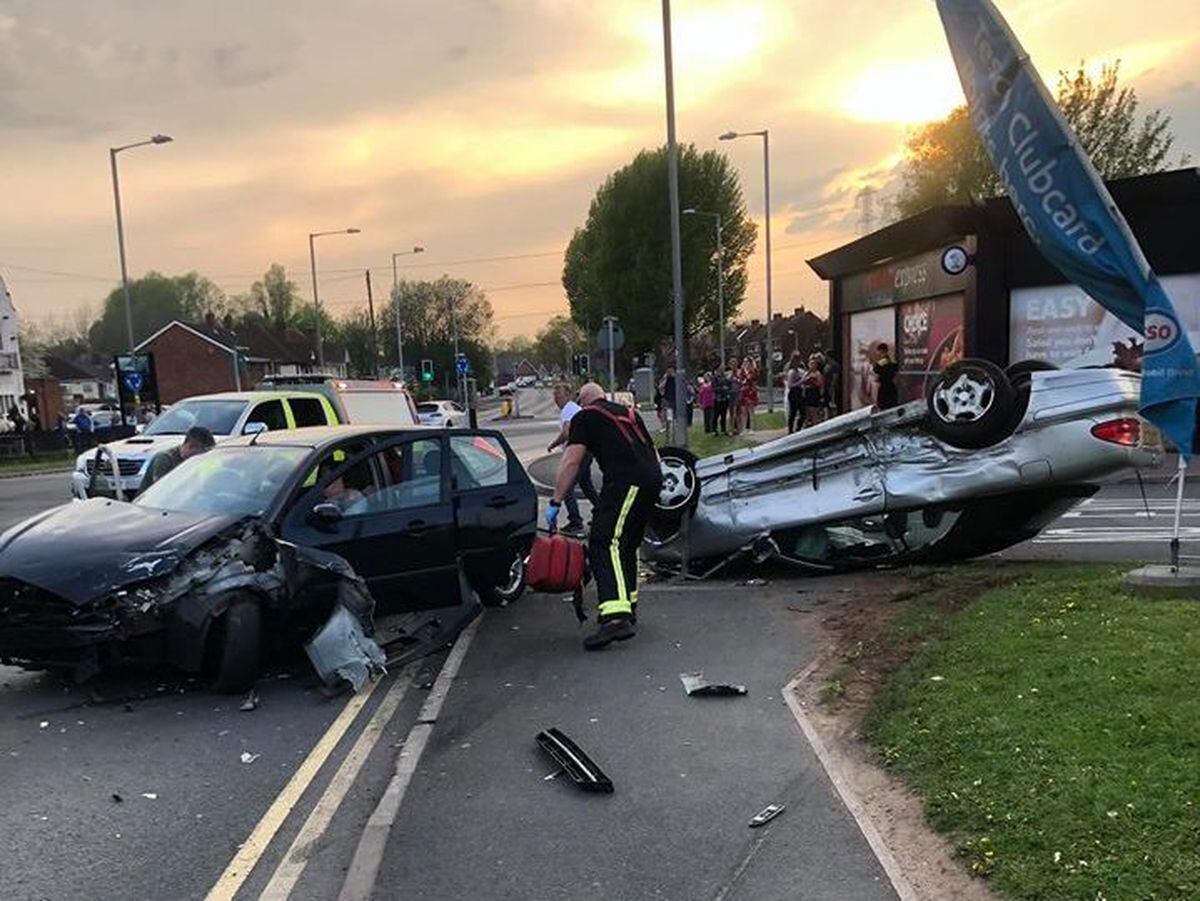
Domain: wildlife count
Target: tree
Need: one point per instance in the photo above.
(353, 331)
(558, 337)
(945, 162)
(155, 300)
(275, 297)
(431, 313)
(619, 262)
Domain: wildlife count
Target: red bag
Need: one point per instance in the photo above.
(555, 564)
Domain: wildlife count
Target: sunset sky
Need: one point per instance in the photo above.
(478, 128)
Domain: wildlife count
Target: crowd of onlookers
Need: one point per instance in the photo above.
(728, 398)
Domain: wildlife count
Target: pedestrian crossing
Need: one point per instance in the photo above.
(1123, 520)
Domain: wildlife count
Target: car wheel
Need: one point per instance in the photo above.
(237, 647)
(680, 490)
(971, 404)
(513, 588)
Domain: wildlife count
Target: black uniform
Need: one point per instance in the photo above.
(619, 440)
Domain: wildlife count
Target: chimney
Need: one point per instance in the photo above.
(777, 317)
(210, 320)
(798, 312)
(755, 323)
(227, 322)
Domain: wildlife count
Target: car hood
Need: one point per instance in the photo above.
(83, 550)
(139, 446)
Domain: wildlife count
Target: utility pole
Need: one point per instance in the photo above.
(681, 431)
(371, 312)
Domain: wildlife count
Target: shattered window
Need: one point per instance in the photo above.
(238, 481)
(479, 462)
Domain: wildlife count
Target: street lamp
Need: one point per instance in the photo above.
(720, 279)
(765, 135)
(312, 260)
(417, 248)
(112, 159)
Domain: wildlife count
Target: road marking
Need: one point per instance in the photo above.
(295, 859)
(252, 848)
(364, 868)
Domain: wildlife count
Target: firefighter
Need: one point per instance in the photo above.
(617, 438)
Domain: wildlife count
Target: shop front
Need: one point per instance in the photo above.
(912, 309)
(956, 282)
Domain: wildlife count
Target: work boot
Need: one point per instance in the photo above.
(573, 529)
(615, 628)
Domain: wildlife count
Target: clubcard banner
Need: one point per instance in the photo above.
(1064, 206)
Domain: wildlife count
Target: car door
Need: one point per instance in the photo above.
(394, 522)
(495, 505)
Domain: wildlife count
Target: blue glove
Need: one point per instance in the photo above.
(552, 515)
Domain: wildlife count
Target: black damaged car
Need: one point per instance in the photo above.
(201, 570)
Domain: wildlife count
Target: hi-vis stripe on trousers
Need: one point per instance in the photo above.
(618, 523)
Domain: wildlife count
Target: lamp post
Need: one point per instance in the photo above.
(112, 159)
(720, 279)
(417, 248)
(312, 260)
(765, 135)
(680, 434)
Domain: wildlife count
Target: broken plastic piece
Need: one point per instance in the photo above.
(247, 757)
(696, 684)
(756, 583)
(342, 650)
(765, 815)
(251, 702)
(574, 762)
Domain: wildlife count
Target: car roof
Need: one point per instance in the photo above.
(322, 435)
(249, 395)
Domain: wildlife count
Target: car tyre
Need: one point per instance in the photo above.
(971, 404)
(1020, 376)
(237, 646)
(502, 595)
(681, 488)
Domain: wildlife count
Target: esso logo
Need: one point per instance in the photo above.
(1162, 331)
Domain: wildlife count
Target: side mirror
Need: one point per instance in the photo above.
(254, 428)
(327, 513)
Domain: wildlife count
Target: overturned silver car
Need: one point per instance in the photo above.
(985, 462)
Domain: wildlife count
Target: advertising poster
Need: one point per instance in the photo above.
(867, 330)
(1062, 325)
(930, 339)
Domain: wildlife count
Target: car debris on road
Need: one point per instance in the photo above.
(765, 815)
(572, 760)
(695, 684)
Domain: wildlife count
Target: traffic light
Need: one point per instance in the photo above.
(583, 364)
(427, 370)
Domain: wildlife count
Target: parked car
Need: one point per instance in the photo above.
(103, 415)
(225, 414)
(442, 413)
(985, 462)
(361, 401)
(190, 572)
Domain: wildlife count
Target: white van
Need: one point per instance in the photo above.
(357, 401)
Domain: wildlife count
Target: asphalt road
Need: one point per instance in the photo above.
(257, 803)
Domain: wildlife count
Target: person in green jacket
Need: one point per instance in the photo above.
(197, 440)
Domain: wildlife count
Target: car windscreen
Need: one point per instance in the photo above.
(240, 481)
(218, 416)
(427, 408)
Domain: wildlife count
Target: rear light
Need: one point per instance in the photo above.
(1126, 432)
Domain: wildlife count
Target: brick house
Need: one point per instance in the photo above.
(207, 357)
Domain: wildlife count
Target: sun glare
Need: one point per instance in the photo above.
(905, 93)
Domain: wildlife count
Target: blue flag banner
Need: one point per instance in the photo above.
(1065, 207)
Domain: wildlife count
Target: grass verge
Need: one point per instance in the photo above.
(703, 444)
(26, 466)
(1051, 729)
